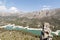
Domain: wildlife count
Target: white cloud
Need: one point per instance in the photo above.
(13, 9)
(3, 8)
(46, 7)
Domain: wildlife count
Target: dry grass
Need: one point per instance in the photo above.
(15, 35)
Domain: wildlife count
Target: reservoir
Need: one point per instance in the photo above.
(35, 32)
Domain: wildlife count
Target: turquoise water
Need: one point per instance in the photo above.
(59, 33)
(9, 27)
(35, 32)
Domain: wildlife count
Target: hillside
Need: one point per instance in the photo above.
(19, 35)
(16, 35)
(33, 19)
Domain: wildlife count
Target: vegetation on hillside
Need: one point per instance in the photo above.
(16, 35)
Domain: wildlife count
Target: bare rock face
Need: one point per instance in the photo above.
(42, 13)
(35, 14)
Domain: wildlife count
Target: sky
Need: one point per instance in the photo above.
(28, 5)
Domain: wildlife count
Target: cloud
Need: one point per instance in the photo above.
(46, 7)
(3, 8)
(13, 9)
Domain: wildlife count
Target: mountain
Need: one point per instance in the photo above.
(34, 14)
(32, 19)
(40, 14)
